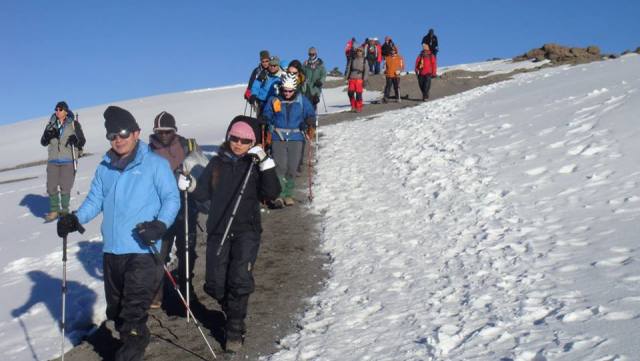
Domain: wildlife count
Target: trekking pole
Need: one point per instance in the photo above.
(235, 207)
(75, 159)
(186, 247)
(154, 250)
(323, 102)
(64, 288)
(310, 168)
(245, 107)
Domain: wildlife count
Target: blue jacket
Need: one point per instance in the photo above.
(269, 87)
(290, 121)
(144, 191)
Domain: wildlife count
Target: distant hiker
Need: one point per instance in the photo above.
(387, 46)
(288, 115)
(262, 89)
(349, 49)
(379, 56)
(167, 143)
(394, 65)
(315, 74)
(371, 53)
(136, 192)
(356, 75)
(432, 40)
(229, 267)
(63, 138)
(260, 73)
(426, 68)
(295, 68)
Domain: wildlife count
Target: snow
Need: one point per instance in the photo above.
(501, 223)
(497, 224)
(495, 67)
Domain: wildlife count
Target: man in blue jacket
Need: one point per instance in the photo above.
(137, 194)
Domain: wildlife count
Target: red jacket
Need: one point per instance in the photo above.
(426, 64)
(379, 49)
(348, 48)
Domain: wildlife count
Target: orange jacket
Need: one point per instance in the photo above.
(393, 64)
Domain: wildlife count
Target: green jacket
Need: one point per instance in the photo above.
(313, 71)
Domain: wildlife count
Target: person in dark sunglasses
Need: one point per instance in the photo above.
(235, 181)
(63, 138)
(136, 192)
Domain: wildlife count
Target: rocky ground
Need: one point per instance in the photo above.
(289, 270)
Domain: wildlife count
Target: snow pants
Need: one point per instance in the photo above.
(424, 81)
(60, 178)
(130, 282)
(354, 90)
(392, 82)
(229, 276)
(176, 231)
(287, 156)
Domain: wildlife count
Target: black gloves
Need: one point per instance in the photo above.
(67, 224)
(50, 132)
(253, 98)
(72, 140)
(151, 232)
(318, 83)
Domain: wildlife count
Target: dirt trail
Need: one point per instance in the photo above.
(289, 270)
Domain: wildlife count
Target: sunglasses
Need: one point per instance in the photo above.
(234, 139)
(312, 54)
(123, 134)
(59, 109)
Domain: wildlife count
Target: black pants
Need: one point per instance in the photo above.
(395, 82)
(424, 81)
(130, 282)
(229, 276)
(176, 231)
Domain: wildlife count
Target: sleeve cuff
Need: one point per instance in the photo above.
(267, 164)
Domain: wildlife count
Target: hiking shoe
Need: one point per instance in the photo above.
(51, 216)
(156, 305)
(233, 345)
(288, 201)
(278, 203)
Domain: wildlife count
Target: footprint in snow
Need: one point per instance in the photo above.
(567, 169)
(612, 262)
(536, 171)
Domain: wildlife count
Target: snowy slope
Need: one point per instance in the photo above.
(498, 224)
(31, 252)
(494, 67)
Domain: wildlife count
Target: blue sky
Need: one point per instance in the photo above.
(95, 52)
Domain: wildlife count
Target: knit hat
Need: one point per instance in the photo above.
(274, 60)
(164, 121)
(242, 130)
(62, 105)
(117, 119)
(313, 50)
(264, 54)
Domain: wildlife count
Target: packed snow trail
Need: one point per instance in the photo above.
(490, 225)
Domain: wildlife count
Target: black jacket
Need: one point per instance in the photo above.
(432, 41)
(386, 48)
(221, 182)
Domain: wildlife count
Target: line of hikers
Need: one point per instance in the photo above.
(150, 193)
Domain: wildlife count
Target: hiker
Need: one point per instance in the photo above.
(387, 46)
(231, 255)
(63, 138)
(260, 73)
(295, 68)
(262, 89)
(371, 53)
(425, 69)
(356, 75)
(136, 192)
(394, 65)
(167, 143)
(432, 41)
(349, 49)
(288, 116)
(315, 75)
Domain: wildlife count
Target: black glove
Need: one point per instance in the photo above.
(253, 98)
(50, 132)
(318, 83)
(151, 232)
(72, 140)
(67, 224)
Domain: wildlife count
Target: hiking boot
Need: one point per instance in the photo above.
(233, 331)
(233, 345)
(51, 216)
(156, 305)
(288, 201)
(278, 203)
(384, 100)
(398, 97)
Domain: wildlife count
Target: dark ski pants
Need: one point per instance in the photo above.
(392, 82)
(229, 276)
(130, 282)
(424, 81)
(176, 231)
